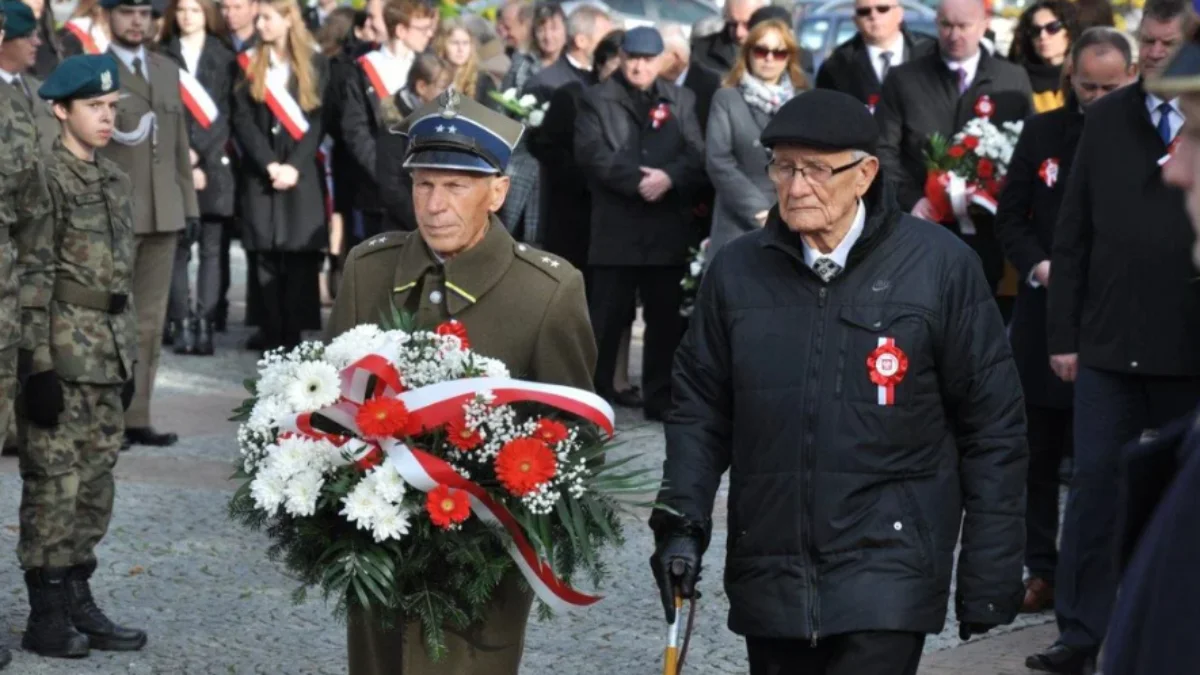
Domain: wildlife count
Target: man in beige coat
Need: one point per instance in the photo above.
(151, 145)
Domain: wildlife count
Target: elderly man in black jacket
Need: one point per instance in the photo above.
(859, 65)
(939, 93)
(638, 143)
(1124, 322)
(848, 367)
(1025, 220)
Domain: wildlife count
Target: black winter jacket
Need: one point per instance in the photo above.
(844, 513)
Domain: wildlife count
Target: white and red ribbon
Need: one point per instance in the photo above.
(383, 72)
(886, 367)
(280, 101)
(963, 195)
(94, 42)
(203, 108)
(436, 405)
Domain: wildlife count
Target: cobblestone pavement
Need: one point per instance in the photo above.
(174, 564)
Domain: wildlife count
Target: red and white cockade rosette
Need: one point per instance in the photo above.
(968, 171)
(659, 115)
(382, 428)
(886, 367)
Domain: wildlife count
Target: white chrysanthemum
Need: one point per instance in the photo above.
(267, 490)
(353, 345)
(387, 483)
(314, 386)
(302, 492)
(494, 368)
(527, 101)
(536, 118)
(360, 505)
(274, 378)
(391, 524)
(267, 412)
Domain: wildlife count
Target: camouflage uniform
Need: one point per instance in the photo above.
(24, 212)
(82, 318)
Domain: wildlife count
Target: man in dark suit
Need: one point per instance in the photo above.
(1025, 220)
(1124, 322)
(638, 142)
(938, 94)
(586, 26)
(858, 66)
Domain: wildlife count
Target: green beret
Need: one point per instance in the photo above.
(19, 20)
(83, 76)
(112, 4)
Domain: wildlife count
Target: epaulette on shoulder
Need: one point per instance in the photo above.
(380, 242)
(551, 265)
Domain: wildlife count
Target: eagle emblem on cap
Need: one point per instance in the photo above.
(450, 102)
(106, 80)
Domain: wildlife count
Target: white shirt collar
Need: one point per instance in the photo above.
(128, 55)
(970, 65)
(578, 65)
(1152, 103)
(7, 76)
(682, 76)
(896, 48)
(841, 252)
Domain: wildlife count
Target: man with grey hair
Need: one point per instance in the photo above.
(514, 23)
(586, 26)
(677, 67)
(718, 52)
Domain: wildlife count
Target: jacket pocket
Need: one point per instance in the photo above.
(924, 540)
(880, 348)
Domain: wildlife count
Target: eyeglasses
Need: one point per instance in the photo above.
(766, 53)
(815, 174)
(864, 12)
(1052, 28)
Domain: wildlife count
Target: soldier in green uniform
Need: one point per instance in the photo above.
(518, 304)
(18, 54)
(85, 329)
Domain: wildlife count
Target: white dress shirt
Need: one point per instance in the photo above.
(127, 56)
(1176, 121)
(7, 76)
(191, 56)
(875, 55)
(842, 251)
(279, 72)
(971, 65)
(581, 66)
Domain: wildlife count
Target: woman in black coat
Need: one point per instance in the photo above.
(190, 33)
(281, 187)
(1040, 45)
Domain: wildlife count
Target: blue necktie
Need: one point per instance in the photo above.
(1164, 122)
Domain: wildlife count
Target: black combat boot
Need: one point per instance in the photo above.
(49, 631)
(204, 338)
(185, 339)
(101, 632)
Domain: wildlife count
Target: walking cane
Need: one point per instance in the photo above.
(675, 653)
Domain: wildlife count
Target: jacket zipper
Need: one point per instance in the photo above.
(814, 596)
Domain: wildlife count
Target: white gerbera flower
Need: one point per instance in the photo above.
(302, 492)
(353, 345)
(314, 386)
(391, 524)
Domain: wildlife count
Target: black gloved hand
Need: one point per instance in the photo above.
(192, 231)
(676, 567)
(43, 399)
(966, 630)
(127, 391)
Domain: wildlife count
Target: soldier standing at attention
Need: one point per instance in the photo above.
(18, 54)
(82, 380)
(152, 148)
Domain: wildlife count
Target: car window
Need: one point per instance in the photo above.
(686, 12)
(812, 34)
(923, 27)
(635, 7)
(845, 30)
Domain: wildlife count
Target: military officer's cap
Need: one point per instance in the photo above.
(113, 4)
(456, 133)
(82, 76)
(1182, 74)
(823, 119)
(642, 41)
(19, 20)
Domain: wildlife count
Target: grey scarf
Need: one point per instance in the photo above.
(766, 97)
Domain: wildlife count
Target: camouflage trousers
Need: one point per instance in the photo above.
(67, 492)
(8, 390)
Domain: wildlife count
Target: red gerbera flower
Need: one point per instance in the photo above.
(971, 142)
(525, 463)
(550, 432)
(456, 328)
(985, 169)
(956, 151)
(447, 506)
(372, 459)
(463, 436)
(382, 417)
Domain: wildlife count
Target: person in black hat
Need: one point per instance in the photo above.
(846, 364)
(638, 142)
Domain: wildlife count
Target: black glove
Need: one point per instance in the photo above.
(676, 567)
(127, 391)
(43, 398)
(966, 630)
(192, 231)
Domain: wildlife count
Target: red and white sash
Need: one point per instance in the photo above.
(93, 41)
(195, 97)
(281, 102)
(383, 71)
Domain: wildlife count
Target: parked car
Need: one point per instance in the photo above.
(824, 28)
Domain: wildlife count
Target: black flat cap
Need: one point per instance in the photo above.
(823, 119)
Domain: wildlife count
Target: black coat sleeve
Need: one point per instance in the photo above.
(987, 412)
(687, 169)
(699, 428)
(1014, 228)
(395, 184)
(599, 161)
(355, 124)
(552, 144)
(71, 46)
(1070, 252)
(889, 114)
(825, 78)
(256, 147)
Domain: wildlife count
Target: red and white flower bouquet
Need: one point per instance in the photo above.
(400, 471)
(966, 173)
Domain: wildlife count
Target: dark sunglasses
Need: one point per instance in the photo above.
(1052, 28)
(767, 53)
(878, 9)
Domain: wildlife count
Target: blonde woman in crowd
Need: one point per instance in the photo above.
(456, 46)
